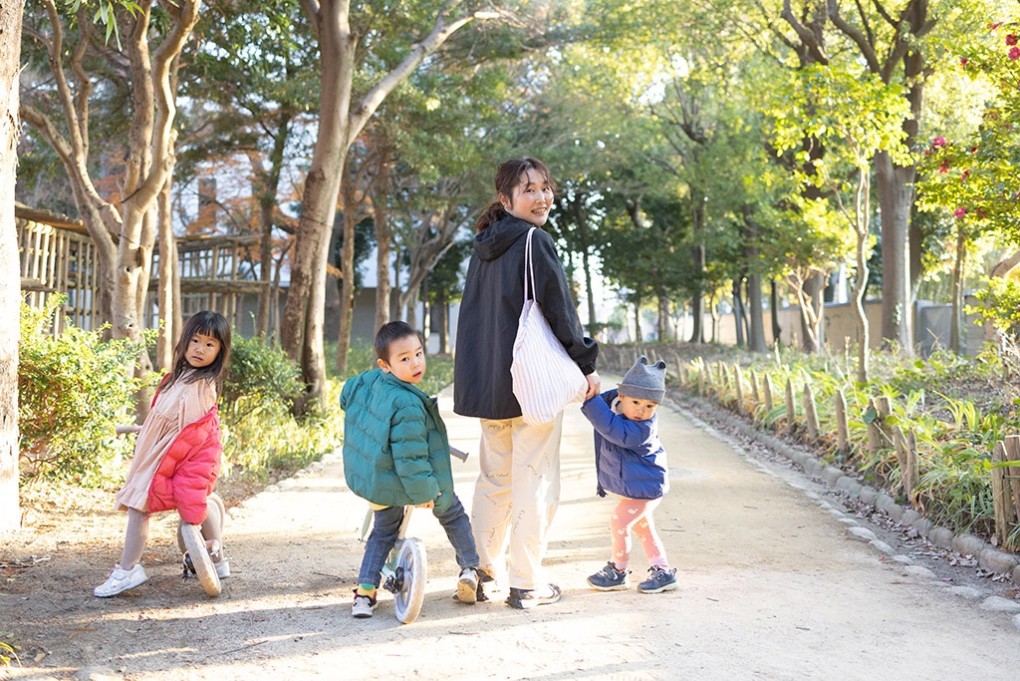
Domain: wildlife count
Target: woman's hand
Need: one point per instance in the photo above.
(594, 385)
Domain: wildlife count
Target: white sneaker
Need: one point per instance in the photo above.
(467, 586)
(121, 580)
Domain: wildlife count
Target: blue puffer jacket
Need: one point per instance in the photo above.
(629, 457)
(396, 452)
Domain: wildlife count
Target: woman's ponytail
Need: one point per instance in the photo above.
(494, 213)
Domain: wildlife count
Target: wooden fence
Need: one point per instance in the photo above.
(58, 256)
(792, 409)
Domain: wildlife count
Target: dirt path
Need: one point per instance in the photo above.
(773, 586)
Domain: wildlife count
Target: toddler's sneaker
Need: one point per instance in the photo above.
(120, 580)
(524, 599)
(662, 579)
(467, 586)
(363, 605)
(609, 578)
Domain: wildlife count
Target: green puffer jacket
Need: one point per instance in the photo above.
(396, 452)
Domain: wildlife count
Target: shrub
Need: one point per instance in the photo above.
(260, 377)
(259, 432)
(74, 389)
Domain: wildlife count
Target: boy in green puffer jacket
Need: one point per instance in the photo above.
(396, 454)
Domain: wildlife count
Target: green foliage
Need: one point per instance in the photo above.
(260, 377)
(265, 444)
(260, 435)
(954, 433)
(74, 389)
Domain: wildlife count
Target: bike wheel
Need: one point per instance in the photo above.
(200, 560)
(412, 571)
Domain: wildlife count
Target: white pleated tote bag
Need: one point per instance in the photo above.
(545, 379)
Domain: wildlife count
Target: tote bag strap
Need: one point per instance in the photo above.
(529, 268)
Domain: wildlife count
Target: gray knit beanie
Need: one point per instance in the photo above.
(645, 382)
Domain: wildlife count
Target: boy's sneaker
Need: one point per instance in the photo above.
(662, 579)
(609, 578)
(363, 605)
(120, 580)
(467, 586)
(523, 599)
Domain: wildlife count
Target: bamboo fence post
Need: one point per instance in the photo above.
(791, 411)
(704, 378)
(907, 459)
(1005, 513)
(738, 381)
(810, 412)
(1012, 474)
(767, 388)
(878, 436)
(842, 431)
(754, 388)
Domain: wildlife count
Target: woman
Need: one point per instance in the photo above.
(519, 484)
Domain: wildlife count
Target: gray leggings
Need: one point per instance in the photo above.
(137, 533)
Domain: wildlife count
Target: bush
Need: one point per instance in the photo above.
(74, 389)
(260, 377)
(259, 432)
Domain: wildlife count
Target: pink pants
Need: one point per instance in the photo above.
(635, 516)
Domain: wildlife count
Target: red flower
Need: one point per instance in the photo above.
(1011, 39)
(1014, 53)
(963, 61)
(938, 142)
(944, 167)
(963, 177)
(960, 212)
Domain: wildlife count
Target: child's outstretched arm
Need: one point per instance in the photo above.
(613, 427)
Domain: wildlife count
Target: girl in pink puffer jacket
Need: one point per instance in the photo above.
(178, 452)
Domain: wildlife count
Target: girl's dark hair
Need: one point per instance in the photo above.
(388, 333)
(208, 324)
(508, 176)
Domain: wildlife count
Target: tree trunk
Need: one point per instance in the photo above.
(664, 325)
(343, 341)
(862, 210)
(383, 241)
(168, 283)
(812, 311)
(955, 343)
(738, 312)
(270, 185)
(777, 331)
(593, 322)
(894, 185)
(637, 321)
(302, 315)
(338, 127)
(10, 283)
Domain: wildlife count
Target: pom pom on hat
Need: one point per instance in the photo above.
(644, 381)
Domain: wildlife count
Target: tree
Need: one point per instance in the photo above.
(122, 226)
(10, 283)
(341, 121)
(854, 116)
(973, 177)
(250, 91)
